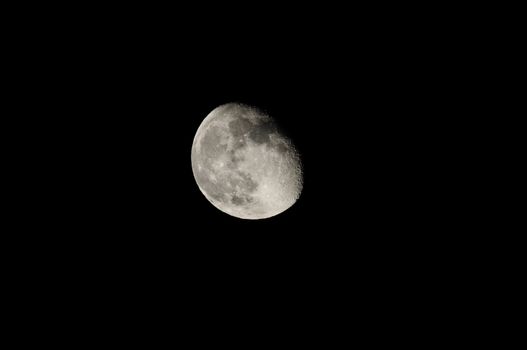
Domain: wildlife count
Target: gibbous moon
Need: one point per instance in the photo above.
(244, 165)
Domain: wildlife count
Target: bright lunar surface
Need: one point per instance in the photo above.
(244, 165)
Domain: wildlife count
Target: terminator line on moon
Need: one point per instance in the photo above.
(244, 165)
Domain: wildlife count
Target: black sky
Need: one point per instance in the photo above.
(350, 114)
(125, 98)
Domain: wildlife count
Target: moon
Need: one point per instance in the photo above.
(244, 164)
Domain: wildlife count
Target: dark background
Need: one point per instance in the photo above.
(121, 97)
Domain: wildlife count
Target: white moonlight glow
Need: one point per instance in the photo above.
(244, 165)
